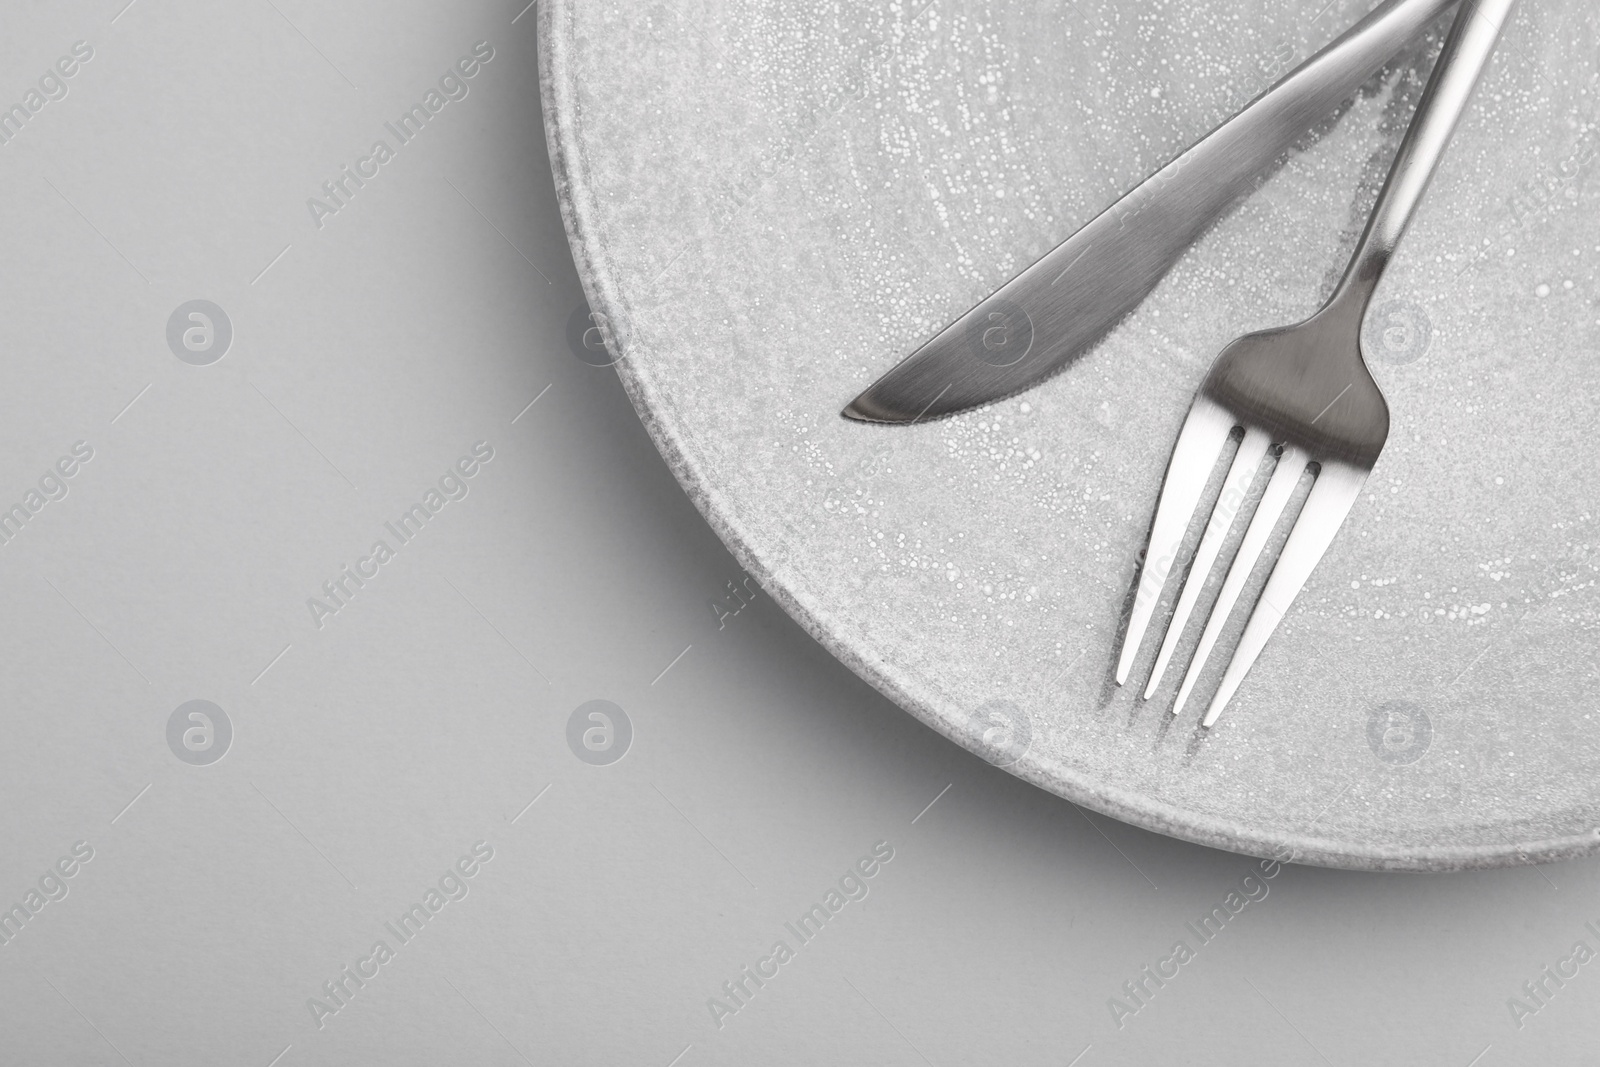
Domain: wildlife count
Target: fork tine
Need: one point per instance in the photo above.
(1337, 487)
(1246, 462)
(1193, 457)
(1291, 465)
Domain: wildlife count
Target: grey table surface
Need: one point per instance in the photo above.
(231, 876)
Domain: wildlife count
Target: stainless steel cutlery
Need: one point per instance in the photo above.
(1059, 308)
(1300, 394)
(1305, 392)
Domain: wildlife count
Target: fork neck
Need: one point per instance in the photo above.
(1463, 58)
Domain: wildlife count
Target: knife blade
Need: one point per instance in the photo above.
(1056, 310)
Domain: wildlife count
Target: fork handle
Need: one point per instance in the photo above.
(1466, 53)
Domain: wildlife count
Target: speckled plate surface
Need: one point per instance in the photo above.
(773, 203)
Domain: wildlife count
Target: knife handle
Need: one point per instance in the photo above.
(1220, 166)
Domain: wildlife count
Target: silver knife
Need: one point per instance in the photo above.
(1059, 308)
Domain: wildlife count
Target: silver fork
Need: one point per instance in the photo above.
(1305, 390)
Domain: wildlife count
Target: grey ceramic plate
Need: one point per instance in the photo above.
(772, 203)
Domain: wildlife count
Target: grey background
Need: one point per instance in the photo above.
(368, 755)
